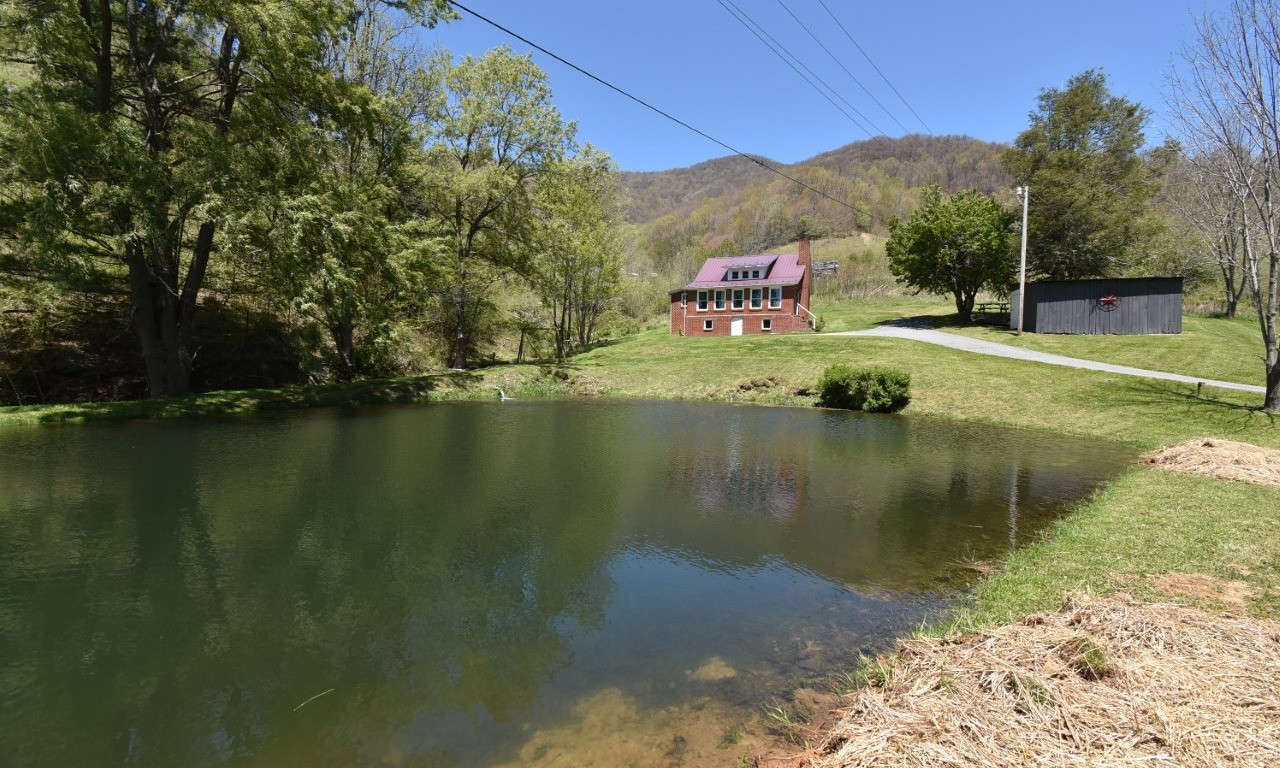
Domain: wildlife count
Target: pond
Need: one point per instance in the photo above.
(482, 584)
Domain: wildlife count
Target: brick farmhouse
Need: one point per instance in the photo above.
(733, 296)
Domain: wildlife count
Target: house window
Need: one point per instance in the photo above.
(719, 298)
(757, 298)
(737, 298)
(702, 301)
(684, 299)
(755, 274)
(708, 324)
(775, 297)
(766, 323)
(733, 275)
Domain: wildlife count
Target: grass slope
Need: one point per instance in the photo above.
(944, 382)
(1146, 523)
(1212, 347)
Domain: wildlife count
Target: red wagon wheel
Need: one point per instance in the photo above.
(1109, 303)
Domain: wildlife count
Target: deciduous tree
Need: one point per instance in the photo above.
(495, 132)
(578, 265)
(145, 124)
(1229, 95)
(955, 246)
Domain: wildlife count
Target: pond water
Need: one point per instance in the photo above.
(481, 584)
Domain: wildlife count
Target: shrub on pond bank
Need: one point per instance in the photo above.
(875, 390)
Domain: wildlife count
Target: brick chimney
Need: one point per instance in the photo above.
(806, 281)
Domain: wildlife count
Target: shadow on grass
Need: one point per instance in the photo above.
(414, 389)
(947, 321)
(1211, 409)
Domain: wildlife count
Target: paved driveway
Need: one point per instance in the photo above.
(921, 330)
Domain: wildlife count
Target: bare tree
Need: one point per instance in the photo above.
(1203, 192)
(1228, 100)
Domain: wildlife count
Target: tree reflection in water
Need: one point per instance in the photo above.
(461, 574)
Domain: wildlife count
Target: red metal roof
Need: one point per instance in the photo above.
(780, 269)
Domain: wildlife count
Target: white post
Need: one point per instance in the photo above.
(1025, 194)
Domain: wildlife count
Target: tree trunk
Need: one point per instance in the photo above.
(1271, 403)
(1229, 283)
(520, 350)
(156, 320)
(102, 87)
(458, 357)
(964, 306)
(1267, 319)
(562, 331)
(343, 333)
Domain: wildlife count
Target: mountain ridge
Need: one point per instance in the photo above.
(730, 204)
(953, 162)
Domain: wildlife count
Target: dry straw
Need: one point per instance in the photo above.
(1108, 682)
(1223, 459)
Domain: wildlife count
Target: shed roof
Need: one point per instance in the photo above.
(1101, 280)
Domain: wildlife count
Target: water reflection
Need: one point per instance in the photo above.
(460, 576)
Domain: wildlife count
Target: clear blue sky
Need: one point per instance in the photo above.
(967, 68)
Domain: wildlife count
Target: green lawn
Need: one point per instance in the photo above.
(945, 382)
(1212, 347)
(856, 314)
(1146, 523)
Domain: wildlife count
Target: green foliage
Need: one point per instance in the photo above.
(578, 266)
(1086, 657)
(312, 168)
(956, 245)
(732, 735)
(874, 671)
(342, 244)
(145, 128)
(874, 390)
(496, 134)
(1090, 183)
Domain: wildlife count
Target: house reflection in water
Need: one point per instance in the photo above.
(866, 501)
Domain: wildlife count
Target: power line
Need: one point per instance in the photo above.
(653, 108)
(781, 52)
(883, 77)
(852, 76)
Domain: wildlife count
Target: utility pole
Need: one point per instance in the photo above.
(1025, 194)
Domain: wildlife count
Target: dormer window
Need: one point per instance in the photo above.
(733, 275)
(755, 274)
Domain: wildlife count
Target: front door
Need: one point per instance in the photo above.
(735, 327)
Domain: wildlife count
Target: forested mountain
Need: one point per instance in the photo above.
(953, 162)
(730, 204)
(651, 194)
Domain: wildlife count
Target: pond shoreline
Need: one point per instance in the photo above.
(1143, 525)
(521, 383)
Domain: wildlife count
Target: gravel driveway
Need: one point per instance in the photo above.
(919, 329)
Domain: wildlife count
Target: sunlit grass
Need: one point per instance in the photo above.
(944, 382)
(1146, 523)
(1212, 347)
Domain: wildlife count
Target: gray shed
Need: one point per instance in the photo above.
(1113, 305)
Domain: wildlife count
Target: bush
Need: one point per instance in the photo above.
(875, 390)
